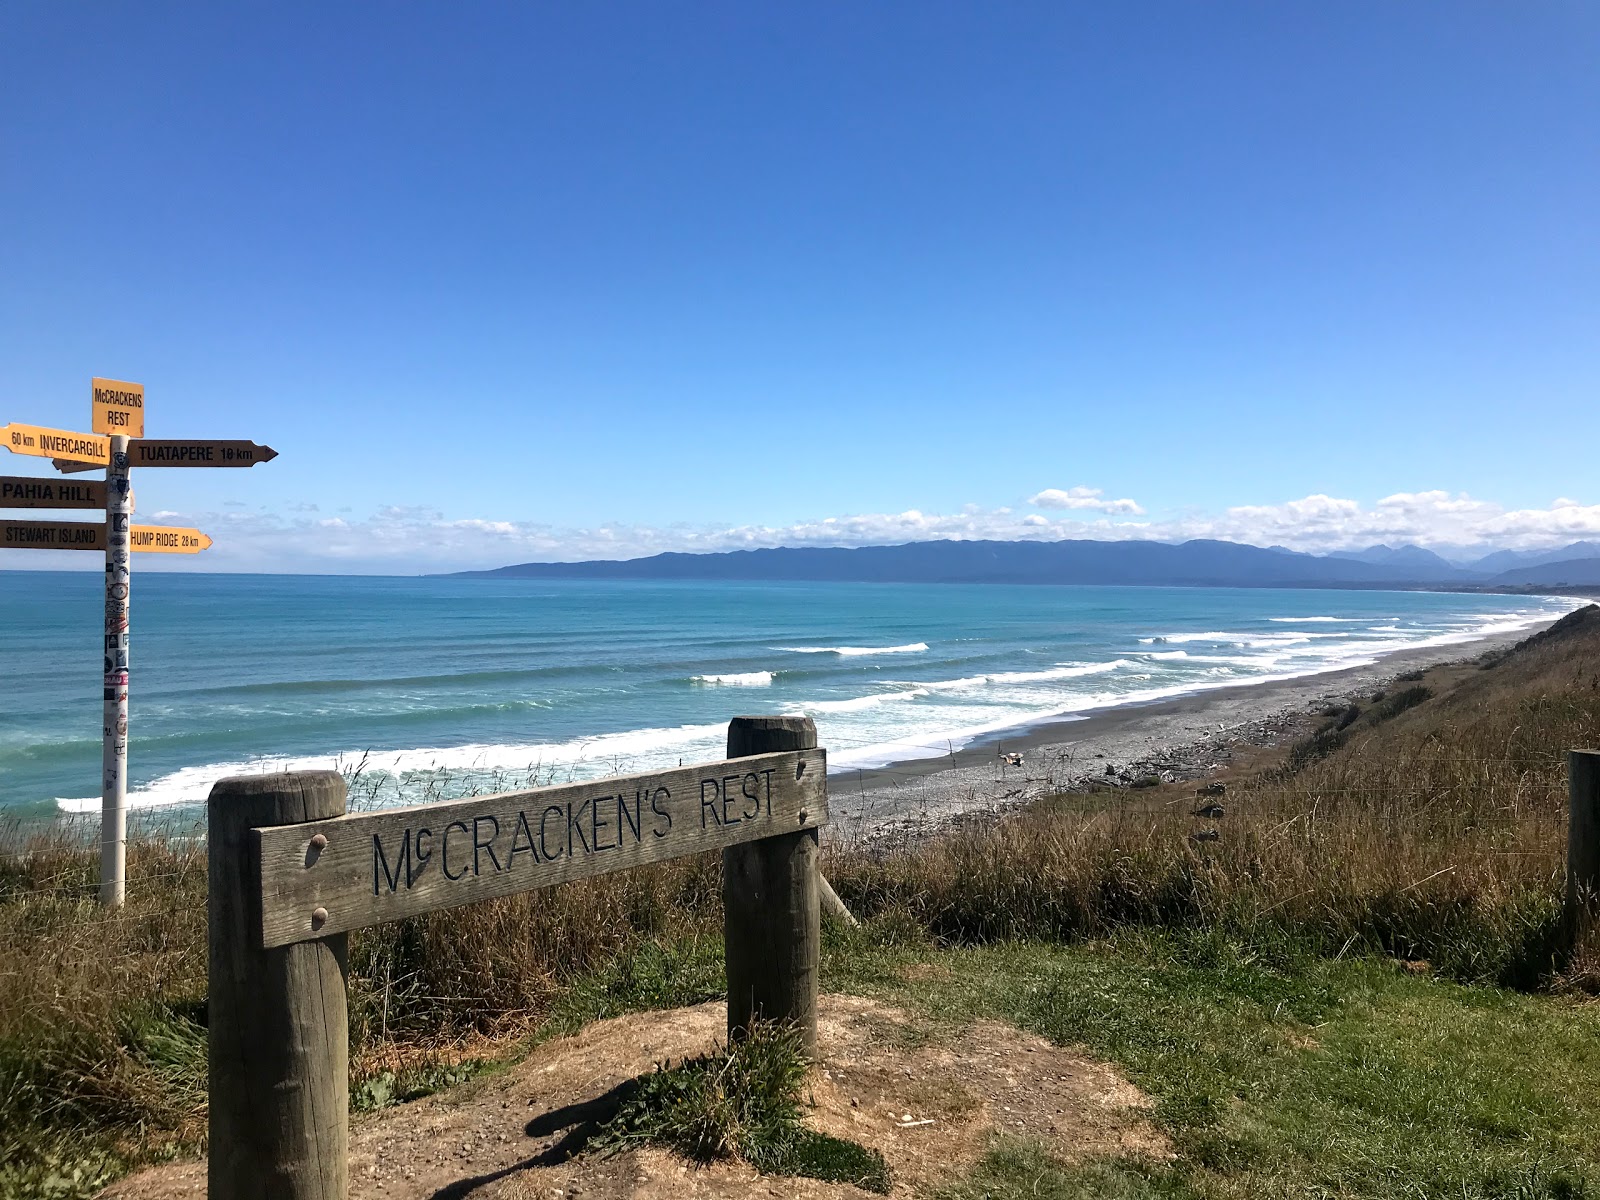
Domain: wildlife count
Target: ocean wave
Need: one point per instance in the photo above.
(1262, 640)
(864, 730)
(857, 651)
(1063, 671)
(858, 703)
(737, 679)
(1298, 620)
(578, 758)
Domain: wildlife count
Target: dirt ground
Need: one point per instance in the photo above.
(929, 1104)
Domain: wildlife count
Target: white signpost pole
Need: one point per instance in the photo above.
(114, 782)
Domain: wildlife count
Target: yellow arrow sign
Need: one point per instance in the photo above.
(86, 448)
(85, 535)
(167, 539)
(118, 407)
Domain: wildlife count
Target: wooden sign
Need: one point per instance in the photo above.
(86, 535)
(21, 491)
(52, 535)
(118, 407)
(68, 467)
(167, 539)
(85, 448)
(151, 452)
(329, 876)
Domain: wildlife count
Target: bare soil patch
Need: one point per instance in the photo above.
(929, 1101)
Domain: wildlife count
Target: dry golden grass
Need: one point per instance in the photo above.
(1434, 832)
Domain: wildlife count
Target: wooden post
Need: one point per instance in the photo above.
(114, 709)
(278, 1019)
(772, 927)
(1583, 842)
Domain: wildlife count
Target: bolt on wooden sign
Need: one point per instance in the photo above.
(330, 876)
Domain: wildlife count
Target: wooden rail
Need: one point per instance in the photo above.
(291, 873)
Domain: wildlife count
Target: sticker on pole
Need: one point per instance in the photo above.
(118, 407)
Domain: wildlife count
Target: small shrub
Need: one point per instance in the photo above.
(739, 1102)
(1398, 703)
(1319, 745)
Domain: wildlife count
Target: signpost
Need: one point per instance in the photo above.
(167, 452)
(118, 407)
(118, 444)
(40, 442)
(52, 535)
(147, 452)
(24, 491)
(168, 539)
(88, 535)
(114, 713)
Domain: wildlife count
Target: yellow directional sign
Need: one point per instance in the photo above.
(118, 407)
(52, 535)
(166, 539)
(170, 452)
(85, 535)
(86, 448)
(21, 491)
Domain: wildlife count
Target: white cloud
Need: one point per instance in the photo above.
(1084, 498)
(409, 539)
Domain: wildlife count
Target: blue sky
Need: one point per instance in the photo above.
(517, 281)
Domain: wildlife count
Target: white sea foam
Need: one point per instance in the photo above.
(857, 651)
(883, 726)
(1063, 671)
(1298, 620)
(738, 679)
(858, 703)
(579, 758)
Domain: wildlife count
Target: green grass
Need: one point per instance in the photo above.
(1286, 1077)
(740, 1102)
(1019, 1170)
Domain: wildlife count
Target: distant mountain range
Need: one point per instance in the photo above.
(1193, 564)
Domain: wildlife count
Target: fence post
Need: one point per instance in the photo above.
(278, 1018)
(772, 927)
(1583, 841)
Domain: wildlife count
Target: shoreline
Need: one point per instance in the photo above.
(1179, 737)
(1059, 751)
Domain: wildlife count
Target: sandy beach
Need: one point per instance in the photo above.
(1183, 737)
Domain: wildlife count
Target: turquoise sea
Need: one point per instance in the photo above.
(438, 686)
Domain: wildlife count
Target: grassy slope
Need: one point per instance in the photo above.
(1300, 1078)
(1244, 982)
